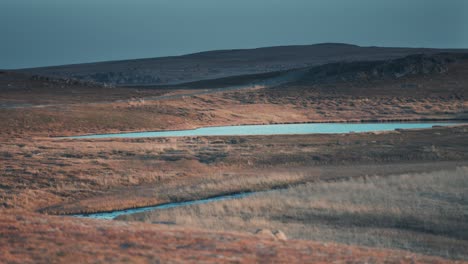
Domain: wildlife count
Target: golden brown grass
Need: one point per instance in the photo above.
(71, 176)
(32, 238)
(425, 213)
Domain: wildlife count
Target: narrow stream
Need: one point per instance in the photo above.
(114, 214)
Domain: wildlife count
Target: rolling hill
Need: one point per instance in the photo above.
(222, 63)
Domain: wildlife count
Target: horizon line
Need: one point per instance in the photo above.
(220, 50)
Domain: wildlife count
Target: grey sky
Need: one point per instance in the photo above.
(52, 32)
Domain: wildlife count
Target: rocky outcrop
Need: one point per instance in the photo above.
(390, 69)
(266, 233)
(280, 235)
(276, 235)
(68, 81)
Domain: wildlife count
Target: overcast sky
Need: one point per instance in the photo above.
(53, 32)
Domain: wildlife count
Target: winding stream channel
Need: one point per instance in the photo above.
(114, 214)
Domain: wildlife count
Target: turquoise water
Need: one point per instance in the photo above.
(251, 130)
(286, 129)
(114, 214)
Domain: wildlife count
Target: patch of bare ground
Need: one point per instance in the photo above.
(425, 213)
(33, 238)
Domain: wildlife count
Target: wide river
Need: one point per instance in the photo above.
(286, 129)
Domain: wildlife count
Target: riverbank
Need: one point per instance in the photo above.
(93, 175)
(420, 212)
(280, 129)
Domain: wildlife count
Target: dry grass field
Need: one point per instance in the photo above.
(425, 213)
(71, 175)
(34, 238)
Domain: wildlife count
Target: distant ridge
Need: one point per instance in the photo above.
(222, 63)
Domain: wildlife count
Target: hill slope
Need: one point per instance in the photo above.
(222, 63)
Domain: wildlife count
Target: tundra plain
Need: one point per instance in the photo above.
(334, 196)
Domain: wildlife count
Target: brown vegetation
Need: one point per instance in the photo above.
(425, 213)
(107, 174)
(408, 89)
(32, 238)
(60, 176)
